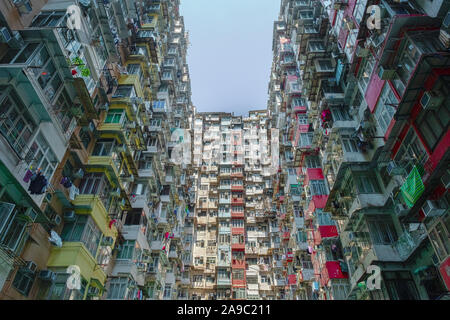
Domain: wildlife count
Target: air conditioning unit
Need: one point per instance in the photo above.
(107, 241)
(140, 265)
(137, 100)
(47, 275)
(386, 74)
(431, 208)
(31, 266)
(361, 51)
(121, 148)
(131, 125)
(393, 169)
(93, 291)
(115, 193)
(69, 216)
(5, 35)
(57, 220)
(401, 209)
(23, 6)
(432, 100)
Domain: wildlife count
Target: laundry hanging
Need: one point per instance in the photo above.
(38, 184)
(66, 182)
(55, 239)
(73, 192)
(28, 175)
(413, 187)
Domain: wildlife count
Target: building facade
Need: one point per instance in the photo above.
(92, 205)
(113, 187)
(362, 106)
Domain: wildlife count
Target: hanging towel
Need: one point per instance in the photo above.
(166, 235)
(112, 222)
(73, 192)
(413, 187)
(28, 176)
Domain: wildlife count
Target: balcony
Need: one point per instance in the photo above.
(279, 282)
(238, 246)
(409, 241)
(237, 214)
(146, 173)
(224, 214)
(106, 162)
(140, 202)
(332, 270)
(224, 200)
(160, 106)
(237, 187)
(251, 250)
(224, 282)
(237, 201)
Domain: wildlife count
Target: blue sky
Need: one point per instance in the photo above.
(230, 55)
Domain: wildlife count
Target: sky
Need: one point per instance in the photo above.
(230, 52)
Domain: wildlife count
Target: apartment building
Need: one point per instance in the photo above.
(235, 236)
(89, 193)
(363, 117)
(346, 170)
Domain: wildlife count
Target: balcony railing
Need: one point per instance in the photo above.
(409, 241)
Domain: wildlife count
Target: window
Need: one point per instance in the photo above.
(116, 116)
(359, 10)
(305, 139)
(440, 238)
(12, 228)
(317, 187)
(433, 124)
(340, 289)
(198, 261)
(223, 274)
(117, 288)
(313, 162)
(125, 91)
(238, 238)
(350, 44)
(400, 285)
(92, 183)
(340, 114)
(237, 223)
(85, 137)
(385, 109)
(127, 251)
(16, 125)
(349, 144)
(134, 68)
(239, 293)
(406, 64)
(84, 230)
(47, 76)
(382, 232)
(367, 184)
(238, 274)
(302, 118)
(315, 46)
(23, 281)
(48, 19)
(103, 147)
(324, 65)
(411, 151)
(167, 291)
(366, 72)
